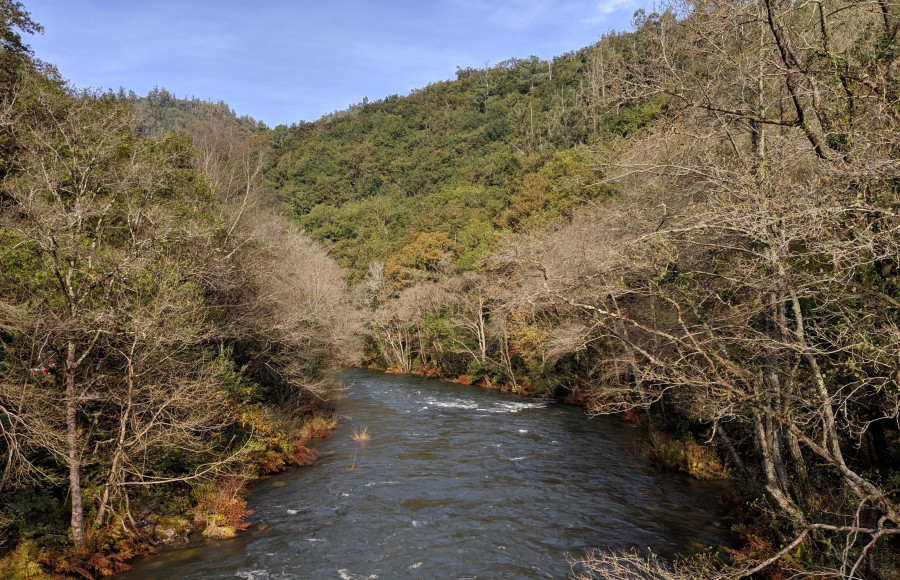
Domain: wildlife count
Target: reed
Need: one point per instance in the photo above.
(317, 426)
(360, 434)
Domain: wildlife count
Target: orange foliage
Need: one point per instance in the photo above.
(301, 455)
(425, 253)
(527, 338)
(427, 371)
(222, 507)
(105, 554)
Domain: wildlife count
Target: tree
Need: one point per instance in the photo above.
(13, 51)
(471, 316)
(419, 259)
(745, 276)
(398, 324)
(96, 249)
(294, 312)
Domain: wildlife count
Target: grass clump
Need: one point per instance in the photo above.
(317, 426)
(685, 455)
(360, 434)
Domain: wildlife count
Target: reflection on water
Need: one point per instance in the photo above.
(455, 482)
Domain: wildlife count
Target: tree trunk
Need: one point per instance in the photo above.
(773, 485)
(74, 454)
(726, 442)
(120, 446)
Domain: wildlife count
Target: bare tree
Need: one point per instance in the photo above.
(95, 212)
(397, 325)
(745, 274)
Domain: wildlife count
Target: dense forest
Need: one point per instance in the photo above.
(693, 225)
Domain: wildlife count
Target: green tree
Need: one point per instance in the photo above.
(13, 50)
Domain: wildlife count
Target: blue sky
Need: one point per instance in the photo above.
(283, 61)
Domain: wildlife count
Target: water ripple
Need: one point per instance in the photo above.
(455, 482)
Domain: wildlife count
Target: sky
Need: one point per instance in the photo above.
(286, 61)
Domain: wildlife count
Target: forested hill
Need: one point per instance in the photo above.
(697, 220)
(161, 112)
(452, 166)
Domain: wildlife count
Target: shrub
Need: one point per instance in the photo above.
(685, 455)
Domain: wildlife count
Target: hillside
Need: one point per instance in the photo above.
(695, 220)
(461, 162)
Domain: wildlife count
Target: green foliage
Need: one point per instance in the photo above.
(15, 54)
(161, 112)
(23, 563)
(34, 513)
(496, 149)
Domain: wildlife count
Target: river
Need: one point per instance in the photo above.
(455, 482)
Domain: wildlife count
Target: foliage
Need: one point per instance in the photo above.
(463, 158)
(23, 564)
(684, 455)
(741, 276)
(709, 229)
(160, 326)
(221, 508)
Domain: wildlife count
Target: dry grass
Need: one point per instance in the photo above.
(360, 434)
(317, 426)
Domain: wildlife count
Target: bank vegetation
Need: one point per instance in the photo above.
(164, 334)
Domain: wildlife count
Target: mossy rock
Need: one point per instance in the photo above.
(172, 530)
(214, 532)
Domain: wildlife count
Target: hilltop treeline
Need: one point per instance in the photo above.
(698, 218)
(157, 350)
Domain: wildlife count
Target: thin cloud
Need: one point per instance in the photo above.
(604, 10)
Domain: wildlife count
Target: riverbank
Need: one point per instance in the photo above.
(456, 481)
(215, 509)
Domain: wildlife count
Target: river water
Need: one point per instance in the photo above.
(455, 482)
